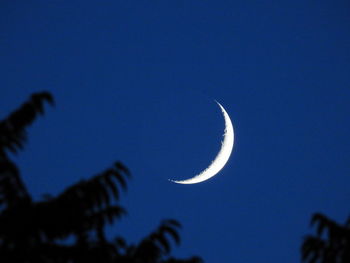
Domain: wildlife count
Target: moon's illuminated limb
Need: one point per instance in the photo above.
(222, 157)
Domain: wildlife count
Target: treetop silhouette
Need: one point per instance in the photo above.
(35, 231)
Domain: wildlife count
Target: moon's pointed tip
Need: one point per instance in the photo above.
(218, 103)
(175, 181)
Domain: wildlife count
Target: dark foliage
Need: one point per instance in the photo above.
(331, 244)
(33, 231)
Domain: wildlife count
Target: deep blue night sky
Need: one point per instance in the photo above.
(136, 81)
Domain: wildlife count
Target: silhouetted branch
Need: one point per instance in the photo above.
(331, 243)
(156, 246)
(12, 130)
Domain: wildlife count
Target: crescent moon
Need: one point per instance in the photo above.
(222, 157)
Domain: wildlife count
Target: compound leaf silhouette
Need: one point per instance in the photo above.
(331, 244)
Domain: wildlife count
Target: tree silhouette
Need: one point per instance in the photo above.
(33, 231)
(331, 244)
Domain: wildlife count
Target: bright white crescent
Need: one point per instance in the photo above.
(222, 157)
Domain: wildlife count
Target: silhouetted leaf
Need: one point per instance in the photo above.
(172, 222)
(172, 232)
(107, 178)
(123, 168)
(120, 179)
